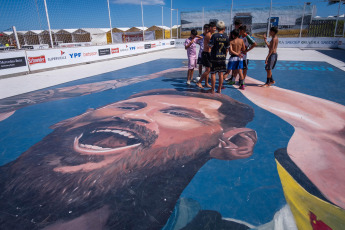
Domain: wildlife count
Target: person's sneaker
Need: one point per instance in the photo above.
(195, 81)
(231, 83)
(242, 87)
(188, 82)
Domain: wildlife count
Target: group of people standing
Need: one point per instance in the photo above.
(214, 48)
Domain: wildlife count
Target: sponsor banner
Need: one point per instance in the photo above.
(13, 62)
(102, 52)
(341, 43)
(70, 56)
(115, 50)
(308, 42)
(77, 44)
(9, 63)
(35, 47)
(179, 43)
(37, 60)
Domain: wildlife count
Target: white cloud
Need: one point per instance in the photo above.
(138, 2)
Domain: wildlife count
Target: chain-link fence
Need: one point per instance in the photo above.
(47, 23)
(299, 20)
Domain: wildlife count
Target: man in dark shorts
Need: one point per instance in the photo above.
(206, 56)
(219, 44)
(238, 24)
(272, 56)
(200, 42)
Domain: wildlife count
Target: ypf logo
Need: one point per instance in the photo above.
(75, 55)
(132, 48)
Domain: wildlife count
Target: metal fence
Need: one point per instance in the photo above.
(292, 20)
(47, 23)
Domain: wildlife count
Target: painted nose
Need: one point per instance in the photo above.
(141, 115)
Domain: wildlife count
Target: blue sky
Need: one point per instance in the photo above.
(30, 14)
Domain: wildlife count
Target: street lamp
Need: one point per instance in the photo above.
(300, 31)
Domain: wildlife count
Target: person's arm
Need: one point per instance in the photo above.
(189, 44)
(211, 42)
(265, 39)
(251, 42)
(233, 52)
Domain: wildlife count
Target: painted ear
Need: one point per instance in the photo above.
(235, 144)
(68, 121)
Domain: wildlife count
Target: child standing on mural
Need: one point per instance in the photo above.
(249, 44)
(272, 56)
(206, 56)
(238, 24)
(190, 46)
(200, 42)
(219, 44)
(235, 64)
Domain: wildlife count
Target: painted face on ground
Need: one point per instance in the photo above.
(144, 124)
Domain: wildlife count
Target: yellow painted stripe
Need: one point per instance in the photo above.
(301, 203)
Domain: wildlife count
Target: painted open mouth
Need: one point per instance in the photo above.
(106, 141)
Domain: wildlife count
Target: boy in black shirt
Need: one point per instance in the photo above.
(219, 44)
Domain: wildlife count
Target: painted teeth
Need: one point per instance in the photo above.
(93, 147)
(120, 132)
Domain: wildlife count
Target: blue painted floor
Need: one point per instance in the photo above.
(248, 190)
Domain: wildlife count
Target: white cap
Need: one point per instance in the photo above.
(221, 25)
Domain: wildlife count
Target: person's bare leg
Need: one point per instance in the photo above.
(269, 76)
(226, 74)
(200, 70)
(241, 79)
(191, 74)
(208, 70)
(213, 82)
(204, 76)
(221, 78)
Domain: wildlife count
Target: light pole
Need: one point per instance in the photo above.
(50, 32)
(171, 1)
(232, 4)
(336, 23)
(269, 20)
(111, 28)
(142, 19)
(300, 31)
(163, 30)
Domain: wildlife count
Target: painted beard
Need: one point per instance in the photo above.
(33, 189)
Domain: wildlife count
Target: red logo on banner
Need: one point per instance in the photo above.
(62, 53)
(115, 50)
(36, 60)
(153, 45)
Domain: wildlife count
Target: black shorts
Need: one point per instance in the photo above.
(199, 61)
(272, 61)
(206, 59)
(218, 66)
(245, 63)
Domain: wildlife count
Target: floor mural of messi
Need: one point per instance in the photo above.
(139, 149)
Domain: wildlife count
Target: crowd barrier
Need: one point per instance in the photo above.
(341, 43)
(32, 60)
(296, 42)
(15, 62)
